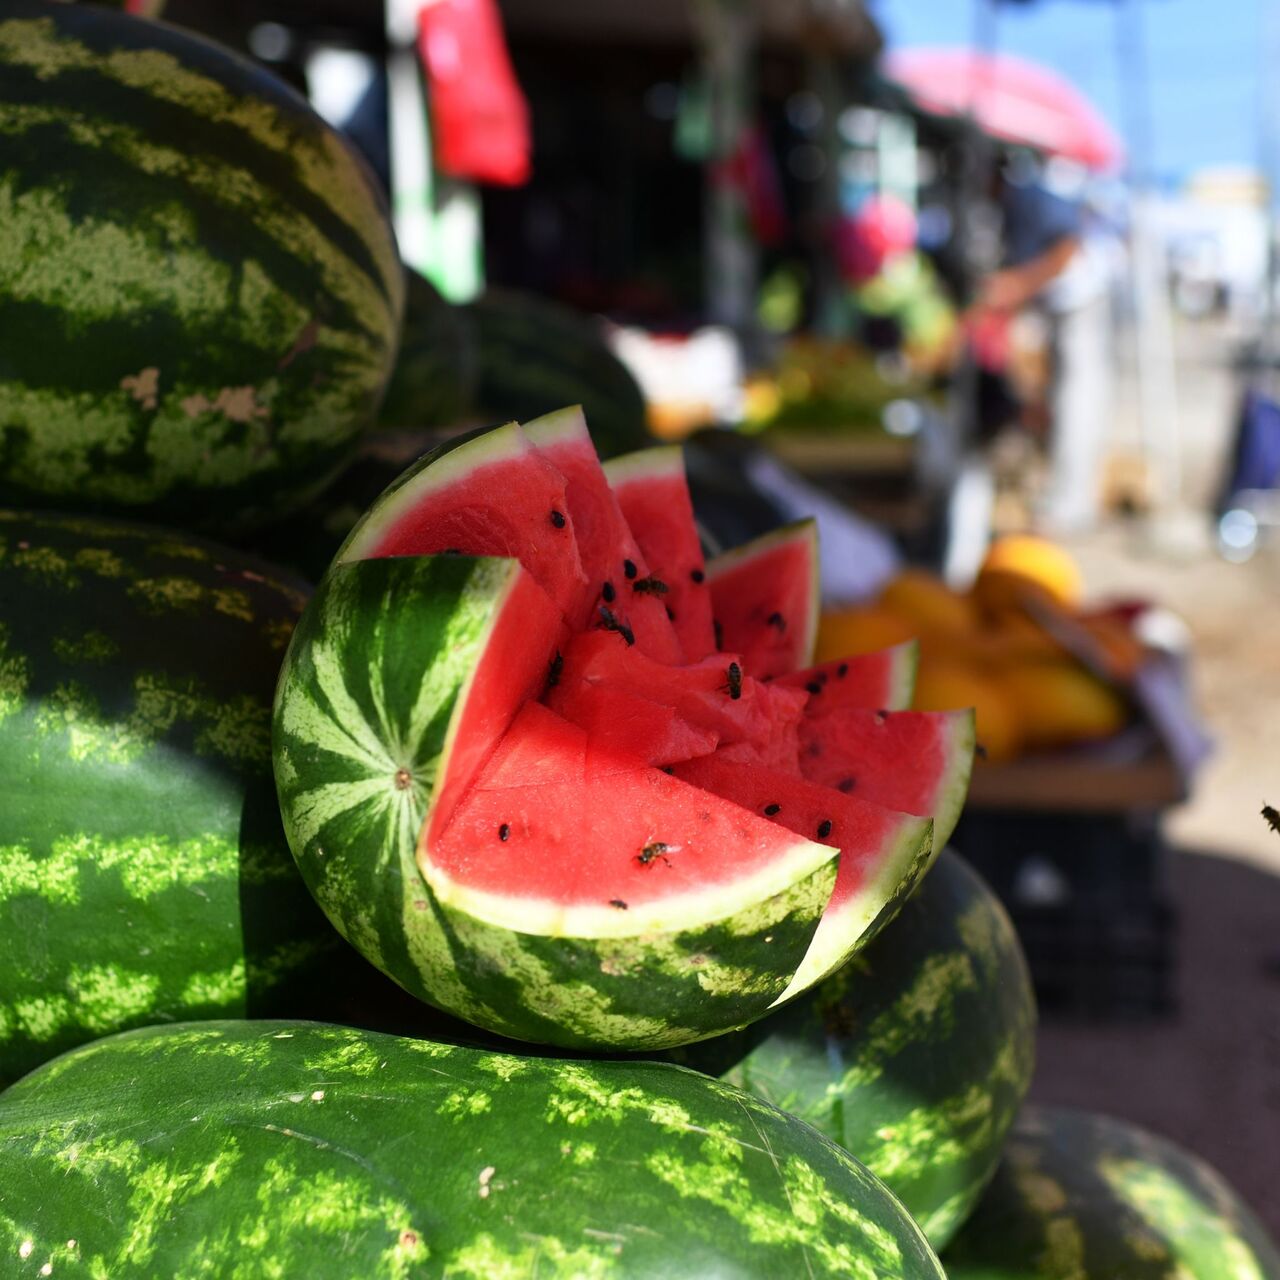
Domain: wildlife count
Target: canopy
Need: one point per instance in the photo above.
(1010, 98)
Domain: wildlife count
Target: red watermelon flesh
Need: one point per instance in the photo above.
(618, 574)
(883, 853)
(618, 850)
(492, 495)
(701, 692)
(779, 746)
(653, 493)
(914, 761)
(764, 596)
(526, 629)
(635, 728)
(879, 681)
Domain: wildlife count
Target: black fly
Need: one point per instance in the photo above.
(613, 623)
(734, 683)
(1272, 816)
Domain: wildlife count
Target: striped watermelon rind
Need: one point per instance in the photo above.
(1081, 1194)
(218, 298)
(144, 874)
(370, 691)
(300, 1149)
(917, 1055)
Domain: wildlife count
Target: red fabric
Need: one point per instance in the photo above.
(479, 117)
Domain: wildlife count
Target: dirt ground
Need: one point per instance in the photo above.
(1208, 1076)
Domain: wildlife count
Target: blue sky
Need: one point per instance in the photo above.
(1204, 59)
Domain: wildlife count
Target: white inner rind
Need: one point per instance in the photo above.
(688, 910)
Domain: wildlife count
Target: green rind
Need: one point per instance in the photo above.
(367, 694)
(296, 1149)
(1080, 1196)
(535, 356)
(144, 875)
(218, 294)
(916, 1056)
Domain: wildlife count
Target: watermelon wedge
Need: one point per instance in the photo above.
(883, 854)
(653, 492)
(914, 761)
(489, 493)
(620, 584)
(525, 818)
(884, 680)
(765, 599)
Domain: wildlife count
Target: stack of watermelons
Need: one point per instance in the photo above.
(686, 986)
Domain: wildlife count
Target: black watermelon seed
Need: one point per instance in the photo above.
(777, 620)
(814, 686)
(666, 768)
(881, 717)
(846, 785)
(504, 831)
(629, 569)
(557, 519)
(842, 670)
(771, 809)
(719, 630)
(451, 551)
(980, 751)
(608, 592)
(824, 828)
(671, 613)
(697, 575)
(557, 666)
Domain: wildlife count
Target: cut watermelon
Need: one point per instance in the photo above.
(883, 853)
(465, 763)
(487, 494)
(620, 584)
(653, 493)
(915, 761)
(764, 596)
(881, 681)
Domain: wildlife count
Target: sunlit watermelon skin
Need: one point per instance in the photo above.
(593, 901)
(216, 302)
(1080, 1196)
(915, 1057)
(144, 875)
(358, 753)
(300, 1149)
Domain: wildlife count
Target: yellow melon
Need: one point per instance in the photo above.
(945, 686)
(1061, 702)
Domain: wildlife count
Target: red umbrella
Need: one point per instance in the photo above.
(1009, 98)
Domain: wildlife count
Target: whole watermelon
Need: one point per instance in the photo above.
(915, 1057)
(199, 286)
(297, 1149)
(144, 875)
(1080, 1196)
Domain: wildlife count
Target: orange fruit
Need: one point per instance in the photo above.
(928, 603)
(1019, 562)
(859, 629)
(1062, 702)
(944, 686)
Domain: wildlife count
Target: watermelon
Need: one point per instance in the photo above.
(653, 493)
(200, 289)
(144, 874)
(301, 1149)
(764, 596)
(860, 751)
(883, 680)
(620, 583)
(433, 382)
(534, 355)
(917, 1055)
(468, 781)
(883, 853)
(1080, 1196)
